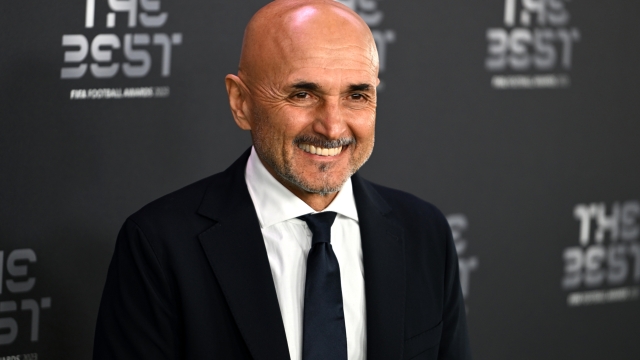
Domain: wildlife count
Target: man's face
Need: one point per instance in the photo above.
(313, 112)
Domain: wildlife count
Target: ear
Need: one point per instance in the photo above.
(238, 92)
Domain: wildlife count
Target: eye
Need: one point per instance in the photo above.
(303, 98)
(357, 97)
(301, 95)
(358, 100)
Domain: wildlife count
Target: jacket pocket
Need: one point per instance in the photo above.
(422, 342)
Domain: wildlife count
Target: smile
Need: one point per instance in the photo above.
(320, 151)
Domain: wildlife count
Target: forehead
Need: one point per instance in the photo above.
(329, 57)
(325, 57)
(330, 72)
(309, 42)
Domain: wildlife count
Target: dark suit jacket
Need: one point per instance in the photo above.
(190, 279)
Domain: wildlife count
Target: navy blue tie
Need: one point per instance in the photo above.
(324, 336)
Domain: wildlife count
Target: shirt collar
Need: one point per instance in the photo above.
(274, 203)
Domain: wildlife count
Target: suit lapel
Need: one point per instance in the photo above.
(384, 272)
(235, 249)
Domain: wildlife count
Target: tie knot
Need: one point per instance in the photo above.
(320, 225)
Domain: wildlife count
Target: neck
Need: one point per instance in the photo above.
(317, 202)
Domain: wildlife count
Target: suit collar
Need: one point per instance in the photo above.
(235, 249)
(223, 189)
(384, 271)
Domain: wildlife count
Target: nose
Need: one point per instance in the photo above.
(329, 119)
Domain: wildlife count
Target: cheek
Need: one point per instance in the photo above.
(288, 119)
(272, 125)
(364, 127)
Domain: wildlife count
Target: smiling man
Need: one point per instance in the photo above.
(289, 253)
(306, 90)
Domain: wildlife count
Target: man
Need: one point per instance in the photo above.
(289, 253)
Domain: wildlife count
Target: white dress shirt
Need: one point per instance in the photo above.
(288, 241)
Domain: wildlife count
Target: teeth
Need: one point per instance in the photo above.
(320, 151)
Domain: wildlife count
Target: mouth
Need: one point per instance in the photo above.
(316, 150)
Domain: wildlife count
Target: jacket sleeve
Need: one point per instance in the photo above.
(136, 319)
(454, 343)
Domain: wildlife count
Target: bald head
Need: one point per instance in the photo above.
(286, 29)
(306, 89)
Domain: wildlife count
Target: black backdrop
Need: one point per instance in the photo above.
(518, 118)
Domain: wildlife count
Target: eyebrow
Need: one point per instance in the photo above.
(304, 85)
(359, 87)
(311, 86)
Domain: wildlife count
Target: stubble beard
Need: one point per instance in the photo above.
(269, 151)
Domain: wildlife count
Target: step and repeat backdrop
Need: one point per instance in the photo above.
(517, 118)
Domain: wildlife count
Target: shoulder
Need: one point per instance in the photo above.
(180, 202)
(409, 206)
(185, 213)
(419, 218)
(175, 216)
(428, 242)
(186, 202)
